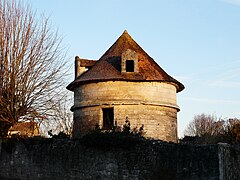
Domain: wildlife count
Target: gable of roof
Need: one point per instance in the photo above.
(108, 67)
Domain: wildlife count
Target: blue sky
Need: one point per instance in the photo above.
(195, 41)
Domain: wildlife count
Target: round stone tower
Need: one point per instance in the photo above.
(125, 83)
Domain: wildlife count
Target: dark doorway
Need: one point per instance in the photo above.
(108, 118)
(129, 66)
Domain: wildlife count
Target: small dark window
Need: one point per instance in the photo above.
(108, 118)
(129, 65)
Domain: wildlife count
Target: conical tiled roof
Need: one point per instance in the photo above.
(108, 67)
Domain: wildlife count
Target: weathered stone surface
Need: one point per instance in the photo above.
(69, 159)
(125, 77)
(129, 55)
(152, 104)
(229, 162)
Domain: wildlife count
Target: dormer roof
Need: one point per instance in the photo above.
(109, 66)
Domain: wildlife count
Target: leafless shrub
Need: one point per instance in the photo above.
(204, 124)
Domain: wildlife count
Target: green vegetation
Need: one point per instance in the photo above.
(116, 137)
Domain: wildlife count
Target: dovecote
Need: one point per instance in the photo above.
(125, 83)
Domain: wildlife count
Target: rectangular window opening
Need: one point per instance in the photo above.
(108, 118)
(129, 65)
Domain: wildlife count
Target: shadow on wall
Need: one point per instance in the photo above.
(62, 158)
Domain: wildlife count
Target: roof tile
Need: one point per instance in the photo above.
(108, 67)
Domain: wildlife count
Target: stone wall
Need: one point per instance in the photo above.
(122, 92)
(159, 122)
(229, 162)
(152, 104)
(71, 159)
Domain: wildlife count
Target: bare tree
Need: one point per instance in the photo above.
(233, 129)
(205, 125)
(31, 64)
(208, 129)
(60, 118)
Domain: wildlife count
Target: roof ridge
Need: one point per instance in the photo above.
(109, 66)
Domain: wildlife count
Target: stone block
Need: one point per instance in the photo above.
(142, 103)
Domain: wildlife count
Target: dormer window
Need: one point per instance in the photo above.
(129, 65)
(129, 61)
